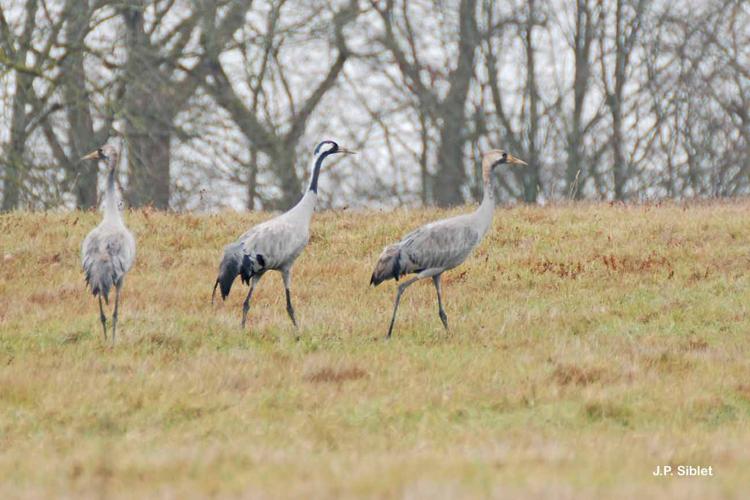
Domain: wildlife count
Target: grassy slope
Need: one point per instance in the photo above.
(589, 344)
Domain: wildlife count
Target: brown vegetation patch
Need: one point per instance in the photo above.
(699, 275)
(561, 269)
(631, 264)
(606, 410)
(695, 344)
(166, 341)
(337, 376)
(743, 390)
(648, 317)
(72, 338)
(576, 375)
(666, 361)
(534, 217)
(454, 278)
(49, 259)
(46, 297)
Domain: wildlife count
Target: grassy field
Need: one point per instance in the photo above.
(589, 344)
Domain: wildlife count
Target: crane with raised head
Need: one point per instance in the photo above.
(442, 245)
(275, 244)
(108, 252)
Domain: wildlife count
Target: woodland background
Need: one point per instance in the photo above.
(219, 103)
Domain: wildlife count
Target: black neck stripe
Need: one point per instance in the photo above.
(316, 171)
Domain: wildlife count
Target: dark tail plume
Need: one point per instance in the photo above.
(228, 269)
(213, 294)
(388, 266)
(100, 277)
(235, 262)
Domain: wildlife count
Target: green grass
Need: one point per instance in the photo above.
(589, 344)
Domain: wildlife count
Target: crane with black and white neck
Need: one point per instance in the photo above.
(275, 244)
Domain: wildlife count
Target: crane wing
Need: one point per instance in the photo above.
(277, 241)
(443, 244)
(106, 256)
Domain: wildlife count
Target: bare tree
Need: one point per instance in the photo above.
(446, 111)
(628, 19)
(161, 80)
(14, 55)
(277, 135)
(585, 28)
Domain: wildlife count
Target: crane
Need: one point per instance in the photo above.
(108, 252)
(437, 247)
(275, 244)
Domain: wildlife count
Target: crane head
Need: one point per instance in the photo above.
(497, 157)
(494, 158)
(330, 148)
(102, 153)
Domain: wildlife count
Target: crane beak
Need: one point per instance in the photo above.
(346, 151)
(94, 155)
(513, 159)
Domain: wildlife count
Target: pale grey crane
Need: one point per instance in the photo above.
(108, 252)
(275, 244)
(442, 245)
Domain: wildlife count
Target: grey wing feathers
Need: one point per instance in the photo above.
(443, 245)
(440, 245)
(278, 241)
(235, 262)
(107, 257)
(274, 244)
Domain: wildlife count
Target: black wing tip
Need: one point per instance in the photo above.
(225, 282)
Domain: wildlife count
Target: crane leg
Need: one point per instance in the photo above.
(441, 311)
(286, 274)
(246, 304)
(403, 286)
(116, 311)
(102, 318)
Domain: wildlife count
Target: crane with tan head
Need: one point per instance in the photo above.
(274, 245)
(108, 252)
(442, 245)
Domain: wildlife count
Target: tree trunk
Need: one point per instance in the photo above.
(617, 154)
(252, 179)
(81, 138)
(148, 167)
(531, 177)
(14, 162)
(283, 164)
(149, 116)
(575, 170)
(615, 105)
(448, 183)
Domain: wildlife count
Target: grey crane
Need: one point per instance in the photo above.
(108, 252)
(442, 245)
(274, 245)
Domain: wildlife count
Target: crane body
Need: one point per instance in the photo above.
(439, 246)
(108, 252)
(275, 244)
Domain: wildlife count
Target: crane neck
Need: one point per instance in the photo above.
(486, 210)
(317, 163)
(488, 195)
(111, 211)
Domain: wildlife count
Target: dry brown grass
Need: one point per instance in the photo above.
(589, 344)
